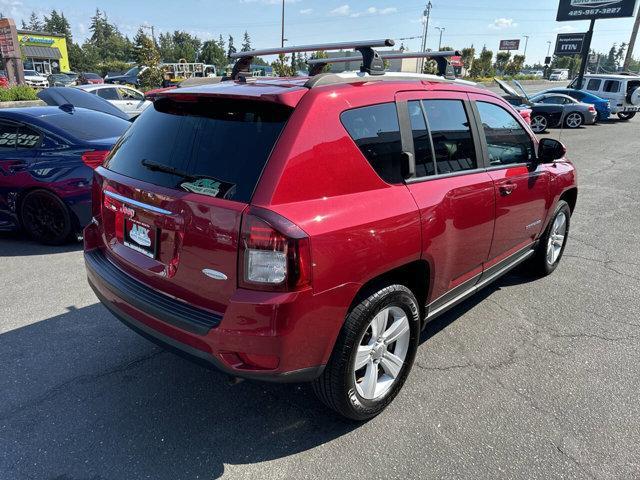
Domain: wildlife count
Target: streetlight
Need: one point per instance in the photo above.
(442, 29)
(526, 43)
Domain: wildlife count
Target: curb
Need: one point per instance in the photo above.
(22, 103)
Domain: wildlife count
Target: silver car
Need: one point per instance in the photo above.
(129, 100)
(576, 114)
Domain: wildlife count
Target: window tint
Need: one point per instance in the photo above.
(451, 135)
(425, 164)
(376, 131)
(108, 93)
(612, 86)
(88, 125)
(594, 84)
(222, 145)
(507, 141)
(8, 134)
(27, 138)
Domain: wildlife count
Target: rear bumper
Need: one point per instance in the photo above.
(296, 331)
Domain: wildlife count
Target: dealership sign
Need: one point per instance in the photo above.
(594, 9)
(509, 45)
(569, 44)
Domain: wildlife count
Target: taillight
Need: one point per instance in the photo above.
(274, 254)
(94, 158)
(592, 108)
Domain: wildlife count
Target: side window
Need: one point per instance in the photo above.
(8, 136)
(451, 134)
(507, 141)
(108, 93)
(128, 94)
(27, 138)
(594, 84)
(376, 131)
(425, 165)
(612, 86)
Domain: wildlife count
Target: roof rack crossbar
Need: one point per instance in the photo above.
(371, 60)
(317, 65)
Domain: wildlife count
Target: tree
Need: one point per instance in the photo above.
(502, 60)
(147, 56)
(107, 41)
(515, 65)
(213, 53)
(482, 66)
(468, 54)
(246, 42)
(34, 23)
(232, 48)
(321, 54)
(281, 67)
(179, 45)
(57, 23)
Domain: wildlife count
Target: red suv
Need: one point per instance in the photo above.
(307, 229)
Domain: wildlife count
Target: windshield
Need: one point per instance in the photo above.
(210, 146)
(31, 72)
(132, 72)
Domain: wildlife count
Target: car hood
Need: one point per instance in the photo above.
(521, 88)
(506, 88)
(58, 96)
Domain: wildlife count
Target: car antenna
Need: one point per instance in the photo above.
(444, 67)
(372, 63)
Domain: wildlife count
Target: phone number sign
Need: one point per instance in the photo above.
(594, 9)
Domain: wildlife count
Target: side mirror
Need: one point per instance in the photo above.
(550, 150)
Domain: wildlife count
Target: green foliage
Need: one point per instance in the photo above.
(111, 66)
(146, 53)
(57, 23)
(502, 60)
(515, 65)
(20, 92)
(179, 45)
(232, 48)
(213, 53)
(246, 42)
(482, 66)
(151, 78)
(321, 54)
(468, 54)
(34, 23)
(570, 63)
(281, 66)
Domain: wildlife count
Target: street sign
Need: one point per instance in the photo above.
(547, 60)
(509, 45)
(569, 44)
(593, 9)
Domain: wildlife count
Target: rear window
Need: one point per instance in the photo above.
(88, 125)
(216, 147)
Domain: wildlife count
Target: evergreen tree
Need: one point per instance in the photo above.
(213, 53)
(34, 23)
(246, 42)
(232, 48)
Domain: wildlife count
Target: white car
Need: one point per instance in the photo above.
(559, 74)
(35, 79)
(129, 100)
(622, 91)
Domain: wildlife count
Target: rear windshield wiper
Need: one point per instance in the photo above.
(159, 167)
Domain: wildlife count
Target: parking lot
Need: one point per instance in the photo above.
(529, 379)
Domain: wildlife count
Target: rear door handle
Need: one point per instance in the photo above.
(507, 189)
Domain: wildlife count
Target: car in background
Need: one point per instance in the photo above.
(130, 77)
(47, 158)
(35, 79)
(60, 80)
(525, 112)
(4, 80)
(63, 96)
(559, 74)
(576, 114)
(602, 106)
(622, 90)
(543, 116)
(129, 100)
(88, 78)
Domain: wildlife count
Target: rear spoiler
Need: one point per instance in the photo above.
(317, 65)
(372, 63)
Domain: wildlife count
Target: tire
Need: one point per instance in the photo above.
(574, 120)
(45, 218)
(626, 116)
(362, 393)
(539, 123)
(545, 260)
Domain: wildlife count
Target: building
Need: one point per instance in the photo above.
(44, 52)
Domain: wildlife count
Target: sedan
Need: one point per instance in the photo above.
(602, 105)
(88, 78)
(60, 80)
(47, 158)
(575, 115)
(127, 99)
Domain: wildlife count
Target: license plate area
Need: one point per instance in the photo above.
(141, 237)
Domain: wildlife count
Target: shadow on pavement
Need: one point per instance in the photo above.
(81, 396)
(19, 245)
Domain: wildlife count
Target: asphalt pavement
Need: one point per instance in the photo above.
(530, 379)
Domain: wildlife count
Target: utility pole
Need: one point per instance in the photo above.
(426, 14)
(634, 36)
(585, 54)
(442, 29)
(546, 65)
(282, 39)
(153, 32)
(526, 44)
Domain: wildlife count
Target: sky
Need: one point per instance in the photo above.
(465, 22)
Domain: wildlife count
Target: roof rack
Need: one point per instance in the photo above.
(317, 65)
(371, 61)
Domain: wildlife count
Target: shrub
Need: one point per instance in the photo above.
(151, 78)
(20, 92)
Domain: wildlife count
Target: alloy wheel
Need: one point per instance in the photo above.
(381, 353)
(574, 120)
(557, 237)
(539, 123)
(44, 218)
